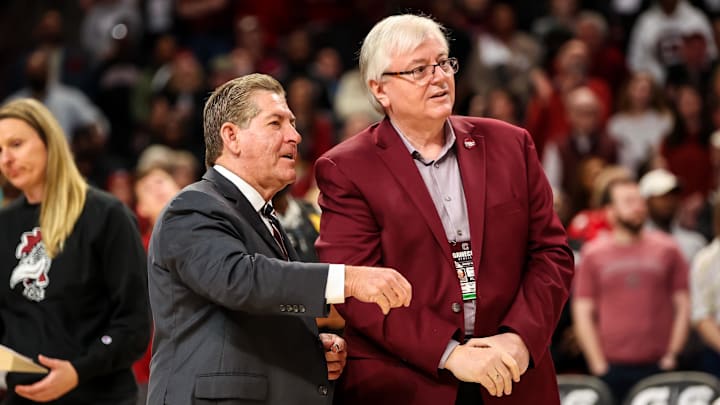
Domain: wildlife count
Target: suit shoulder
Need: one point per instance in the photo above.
(493, 130)
(361, 143)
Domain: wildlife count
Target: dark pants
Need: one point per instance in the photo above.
(469, 394)
(711, 362)
(622, 377)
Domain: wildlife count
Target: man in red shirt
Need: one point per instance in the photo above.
(631, 305)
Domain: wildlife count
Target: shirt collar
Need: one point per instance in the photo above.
(449, 140)
(246, 189)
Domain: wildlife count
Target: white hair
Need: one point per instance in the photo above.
(394, 35)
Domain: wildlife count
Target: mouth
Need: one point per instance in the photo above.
(440, 94)
(290, 156)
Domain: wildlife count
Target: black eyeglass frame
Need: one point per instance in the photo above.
(452, 62)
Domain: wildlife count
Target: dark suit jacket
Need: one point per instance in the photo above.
(377, 211)
(233, 323)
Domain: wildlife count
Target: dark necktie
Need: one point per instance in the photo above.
(269, 212)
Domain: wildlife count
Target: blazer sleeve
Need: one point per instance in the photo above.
(123, 266)
(209, 254)
(350, 234)
(545, 284)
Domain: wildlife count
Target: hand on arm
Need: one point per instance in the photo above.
(61, 379)
(335, 354)
(493, 368)
(383, 286)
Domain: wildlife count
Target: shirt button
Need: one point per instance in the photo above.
(448, 198)
(437, 165)
(459, 232)
(323, 390)
(456, 307)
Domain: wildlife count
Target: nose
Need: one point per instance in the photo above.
(293, 135)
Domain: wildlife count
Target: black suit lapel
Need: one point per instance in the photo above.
(246, 210)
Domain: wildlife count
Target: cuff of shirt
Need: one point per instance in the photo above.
(335, 287)
(450, 347)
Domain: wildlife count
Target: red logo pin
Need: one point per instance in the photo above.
(469, 143)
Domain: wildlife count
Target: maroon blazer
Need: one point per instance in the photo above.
(377, 211)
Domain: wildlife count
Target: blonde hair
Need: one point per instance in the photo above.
(233, 102)
(394, 35)
(65, 189)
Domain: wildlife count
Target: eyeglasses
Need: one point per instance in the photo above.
(421, 73)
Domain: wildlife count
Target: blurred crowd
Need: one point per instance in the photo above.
(608, 89)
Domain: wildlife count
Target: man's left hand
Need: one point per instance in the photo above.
(335, 354)
(508, 342)
(61, 379)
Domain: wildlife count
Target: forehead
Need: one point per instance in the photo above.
(15, 127)
(429, 49)
(270, 103)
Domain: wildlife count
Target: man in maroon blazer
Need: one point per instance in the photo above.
(461, 207)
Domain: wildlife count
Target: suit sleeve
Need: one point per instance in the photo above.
(545, 284)
(123, 266)
(349, 233)
(209, 255)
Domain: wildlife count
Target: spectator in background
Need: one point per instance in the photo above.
(641, 122)
(503, 56)
(686, 149)
(705, 297)
(585, 139)
(630, 304)
(662, 189)
(72, 257)
(656, 39)
(695, 67)
(154, 188)
(594, 222)
(105, 21)
(547, 113)
(316, 126)
(606, 60)
(72, 109)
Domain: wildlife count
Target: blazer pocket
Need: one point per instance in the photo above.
(506, 207)
(231, 386)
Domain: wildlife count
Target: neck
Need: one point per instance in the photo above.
(625, 237)
(34, 195)
(265, 192)
(428, 140)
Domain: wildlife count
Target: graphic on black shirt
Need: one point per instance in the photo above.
(33, 266)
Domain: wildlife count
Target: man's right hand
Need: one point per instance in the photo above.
(493, 368)
(380, 285)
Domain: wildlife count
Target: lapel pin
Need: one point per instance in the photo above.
(469, 143)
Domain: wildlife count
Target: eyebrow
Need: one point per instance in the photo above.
(280, 117)
(423, 60)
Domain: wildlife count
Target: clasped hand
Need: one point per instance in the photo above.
(494, 362)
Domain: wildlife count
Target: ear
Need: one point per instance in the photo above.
(378, 91)
(230, 134)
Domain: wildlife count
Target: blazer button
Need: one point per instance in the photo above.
(302, 308)
(295, 308)
(323, 390)
(456, 307)
(282, 308)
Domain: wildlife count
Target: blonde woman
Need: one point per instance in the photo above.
(73, 261)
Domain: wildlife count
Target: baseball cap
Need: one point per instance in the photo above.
(658, 182)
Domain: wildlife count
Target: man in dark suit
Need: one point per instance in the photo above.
(234, 315)
(461, 207)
